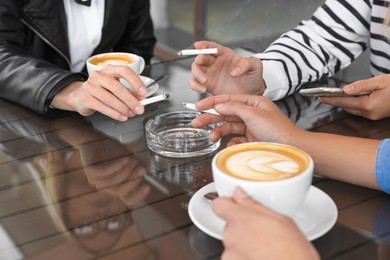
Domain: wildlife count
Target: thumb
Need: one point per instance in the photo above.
(246, 64)
(237, 140)
(365, 85)
(224, 207)
(242, 198)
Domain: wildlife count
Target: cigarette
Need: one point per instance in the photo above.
(155, 99)
(196, 51)
(192, 106)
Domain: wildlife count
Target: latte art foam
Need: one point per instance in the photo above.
(263, 163)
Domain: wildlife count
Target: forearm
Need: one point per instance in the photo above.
(32, 82)
(65, 98)
(343, 158)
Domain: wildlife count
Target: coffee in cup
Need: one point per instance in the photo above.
(276, 175)
(112, 59)
(269, 163)
(134, 62)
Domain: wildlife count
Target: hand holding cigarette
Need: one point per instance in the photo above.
(192, 106)
(154, 99)
(197, 51)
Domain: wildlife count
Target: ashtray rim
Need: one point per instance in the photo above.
(152, 136)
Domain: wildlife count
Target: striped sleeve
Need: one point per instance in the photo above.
(336, 34)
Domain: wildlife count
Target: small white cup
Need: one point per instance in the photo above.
(284, 195)
(133, 61)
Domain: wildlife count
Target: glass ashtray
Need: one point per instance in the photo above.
(172, 135)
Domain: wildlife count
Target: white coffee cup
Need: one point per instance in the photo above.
(276, 175)
(133, 61)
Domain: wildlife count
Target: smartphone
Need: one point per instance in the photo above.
(322, 92)
(328, 92)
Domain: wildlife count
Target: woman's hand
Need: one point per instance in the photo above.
(252, 118)
(254, 231)
(103, 92)
(373, 106)
(226, 72)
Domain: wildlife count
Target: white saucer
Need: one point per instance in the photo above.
(151, 90)
(316, 217)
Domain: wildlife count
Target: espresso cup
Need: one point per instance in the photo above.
(276, 175)
(134, 62)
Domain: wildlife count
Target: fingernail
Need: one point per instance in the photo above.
(213, 137)
(201, 79)
(139, 110)
(236, 72)
(194, 123)
(123, 118)
(219, 106)
(349, 88)
(131, 114)
(240, 194)
(143, 91)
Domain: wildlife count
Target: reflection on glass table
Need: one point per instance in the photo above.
(186, 174)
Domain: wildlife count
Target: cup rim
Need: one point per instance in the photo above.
(112, 53)
(308, 170)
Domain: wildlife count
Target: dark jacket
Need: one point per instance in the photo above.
(34, 51)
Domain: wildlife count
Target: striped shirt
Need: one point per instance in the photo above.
(336, 34)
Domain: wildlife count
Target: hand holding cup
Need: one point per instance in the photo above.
(114, 86)
(275, 175)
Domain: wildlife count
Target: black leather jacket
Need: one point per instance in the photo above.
(34, 51)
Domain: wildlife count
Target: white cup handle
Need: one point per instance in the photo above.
(141, 64)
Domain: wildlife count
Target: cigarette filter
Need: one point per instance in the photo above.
(154, 99)
(192, 106)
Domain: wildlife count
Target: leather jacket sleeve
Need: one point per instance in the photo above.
(24, 79)
(34, 59)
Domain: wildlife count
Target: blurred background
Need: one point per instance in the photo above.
(247, 26)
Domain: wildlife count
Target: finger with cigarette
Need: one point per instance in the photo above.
(197, 51)
(154, 99)
(192, 106)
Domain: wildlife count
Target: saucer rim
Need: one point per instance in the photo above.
(330, 221)
(152, 89)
